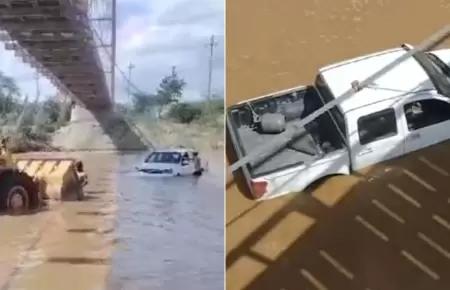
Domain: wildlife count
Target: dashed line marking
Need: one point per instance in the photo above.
(405, 196)
(420, 265)
(372, 228)
(419, 180)
(441, 221)
(387, 211)
(434, 245)
(335, 263)
(313, 280)
(434, 166)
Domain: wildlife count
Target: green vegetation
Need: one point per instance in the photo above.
(165, 105)
(29, 124)
(32, 123)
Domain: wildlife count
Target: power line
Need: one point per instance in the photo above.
(117, 66)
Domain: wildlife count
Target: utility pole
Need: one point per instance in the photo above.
(174, 71)
(38, 88)
(37, 106)
(130, 68)
(113, 50)
(212, 43)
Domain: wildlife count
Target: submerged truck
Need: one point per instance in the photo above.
(405, 110)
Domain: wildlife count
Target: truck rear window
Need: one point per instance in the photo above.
(377, 126)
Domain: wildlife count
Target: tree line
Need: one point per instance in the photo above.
(29, 116)
(40, 118)
(165, 103)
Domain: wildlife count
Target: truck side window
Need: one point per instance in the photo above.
(377, 126)
(424, 113)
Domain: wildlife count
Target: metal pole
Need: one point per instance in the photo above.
(130, 68)
(113, 51)
(38, 89)
(37, 106)
(211, 45)
(284, 138)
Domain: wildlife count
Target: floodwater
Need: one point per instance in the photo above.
(340, 235)
(130, 233)
(169, 230)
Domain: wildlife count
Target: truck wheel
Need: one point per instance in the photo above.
(17, 199)
(18, 193)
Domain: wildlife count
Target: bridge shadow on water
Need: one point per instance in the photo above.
(387, 228)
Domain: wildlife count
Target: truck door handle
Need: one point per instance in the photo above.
(415, 136)
(366, 151)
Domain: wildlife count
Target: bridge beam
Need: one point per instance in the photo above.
(52, 46)
(38, 25)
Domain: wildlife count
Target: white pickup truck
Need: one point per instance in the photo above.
(406, 109)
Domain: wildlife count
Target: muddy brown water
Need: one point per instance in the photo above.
(339, 234)
(130, 233)
(169, 230)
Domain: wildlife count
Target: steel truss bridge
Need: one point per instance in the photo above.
(59, 39)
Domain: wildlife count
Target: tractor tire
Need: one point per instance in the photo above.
(18, 193)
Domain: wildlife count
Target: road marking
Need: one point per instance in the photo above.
(434, 245)
(405, 196)
(335, 263)
(419, 180)
(442, 221)
(420, 265)
(434, 166)
(372, 228)
(313, 280)
(387, 211)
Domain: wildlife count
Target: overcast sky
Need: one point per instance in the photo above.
(154, 35)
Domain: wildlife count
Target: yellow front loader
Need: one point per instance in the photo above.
(25, 183)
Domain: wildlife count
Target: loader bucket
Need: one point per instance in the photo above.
(57, 179)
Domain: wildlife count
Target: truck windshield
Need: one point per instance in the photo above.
(164, 157)
(437, 71)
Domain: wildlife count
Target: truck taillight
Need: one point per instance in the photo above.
(259, 188)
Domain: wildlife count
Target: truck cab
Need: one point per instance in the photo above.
(406, 109)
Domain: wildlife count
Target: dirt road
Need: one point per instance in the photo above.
(387, 229)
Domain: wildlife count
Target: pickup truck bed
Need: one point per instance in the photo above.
(307, 145)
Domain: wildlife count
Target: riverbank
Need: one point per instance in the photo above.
(204, 137)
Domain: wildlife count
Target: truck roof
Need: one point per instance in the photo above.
(175, 150)
(405, 78)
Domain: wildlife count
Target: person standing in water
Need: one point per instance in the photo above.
(197, 164)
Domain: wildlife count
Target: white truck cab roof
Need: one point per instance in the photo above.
(175, 150)
(404, 79)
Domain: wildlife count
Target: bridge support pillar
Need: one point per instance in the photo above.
(81, 114)
(98, 130)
